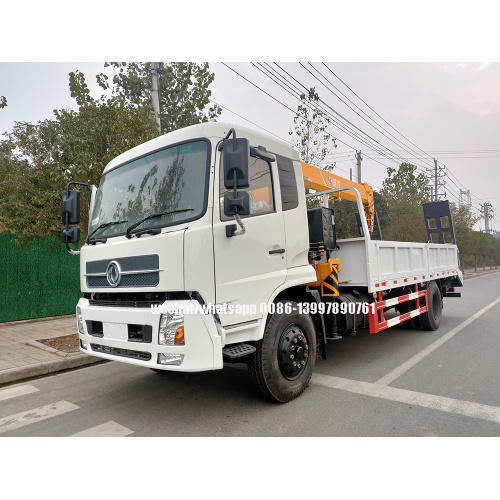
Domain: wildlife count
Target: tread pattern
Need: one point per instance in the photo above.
(427, 319)
(263, 364)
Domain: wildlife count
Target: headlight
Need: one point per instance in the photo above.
(79, 320)
(171, 331)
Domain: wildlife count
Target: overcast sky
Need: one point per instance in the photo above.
(450, 111)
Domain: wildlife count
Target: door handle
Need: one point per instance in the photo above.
(279, 250)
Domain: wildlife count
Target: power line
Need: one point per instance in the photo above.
(282, 105)
(295, 92)
(249, 121)
(356, 136)
(377, 127)
(262, 90)
(349, 130)
(457, 157)
(366, 104)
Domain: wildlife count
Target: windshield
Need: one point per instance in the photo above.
(170, 180)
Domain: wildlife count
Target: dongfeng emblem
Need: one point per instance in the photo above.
(113, 273)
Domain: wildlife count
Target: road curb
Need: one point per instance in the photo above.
(47, 348)
(35, 320)
(46, 367)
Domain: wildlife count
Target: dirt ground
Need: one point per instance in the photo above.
(470, 273)
(66, 343)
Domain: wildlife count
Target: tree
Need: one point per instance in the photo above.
(3, 102)
(184, 91)
(383, 212)
(38, 160)
(310, 136)
(463, 223)
(404, 191)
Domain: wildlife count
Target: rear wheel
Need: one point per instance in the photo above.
(431, 319)
(284, 360)
(412, 323)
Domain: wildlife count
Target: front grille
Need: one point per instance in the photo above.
(138, 265)
(132, 299)
(124, 303)
(130, 280)
(125, 353)
(126, 263)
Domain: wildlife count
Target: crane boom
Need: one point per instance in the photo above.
(321, 180)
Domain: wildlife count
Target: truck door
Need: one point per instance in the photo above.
(249, 267)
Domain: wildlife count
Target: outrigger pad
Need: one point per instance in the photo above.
(438, 221)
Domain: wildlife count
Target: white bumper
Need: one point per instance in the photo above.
(202, 350)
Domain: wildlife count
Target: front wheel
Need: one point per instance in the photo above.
(284, 360)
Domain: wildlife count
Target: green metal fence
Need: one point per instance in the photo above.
(36, 283)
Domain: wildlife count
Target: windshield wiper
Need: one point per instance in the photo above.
(102, 226)
(153, 216)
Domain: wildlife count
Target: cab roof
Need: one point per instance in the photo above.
(210, 130)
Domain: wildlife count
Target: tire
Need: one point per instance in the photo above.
(288, 338)
(413, 323)
(432, 318)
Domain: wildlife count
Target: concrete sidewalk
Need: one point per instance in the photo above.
(19, 360)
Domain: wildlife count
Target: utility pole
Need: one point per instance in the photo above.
(487, 213)
(437, 177)
(464, 199)
(358, 165)
(155, 94)
(435, 180)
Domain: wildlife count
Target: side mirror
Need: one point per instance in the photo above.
(236, 203)
(70, 207)
(236, 157)
(70, 234)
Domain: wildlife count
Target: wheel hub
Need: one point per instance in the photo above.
(293, 352)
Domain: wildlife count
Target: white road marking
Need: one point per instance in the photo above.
(109, 429)
(35, 415)
(397, 372)
(376, 390)
(14, 392)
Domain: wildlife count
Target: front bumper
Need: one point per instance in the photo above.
(202, 350)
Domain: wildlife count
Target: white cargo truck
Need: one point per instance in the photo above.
(201, 251)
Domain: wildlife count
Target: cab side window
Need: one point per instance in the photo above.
(260, 190)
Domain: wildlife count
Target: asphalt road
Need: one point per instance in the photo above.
(394, 383)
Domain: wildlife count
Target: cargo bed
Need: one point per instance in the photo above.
(382, 265)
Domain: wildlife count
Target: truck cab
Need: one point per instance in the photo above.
(183, 255)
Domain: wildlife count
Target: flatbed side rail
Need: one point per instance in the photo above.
(376, 318)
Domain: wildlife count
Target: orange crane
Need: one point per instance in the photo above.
(321, 180)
